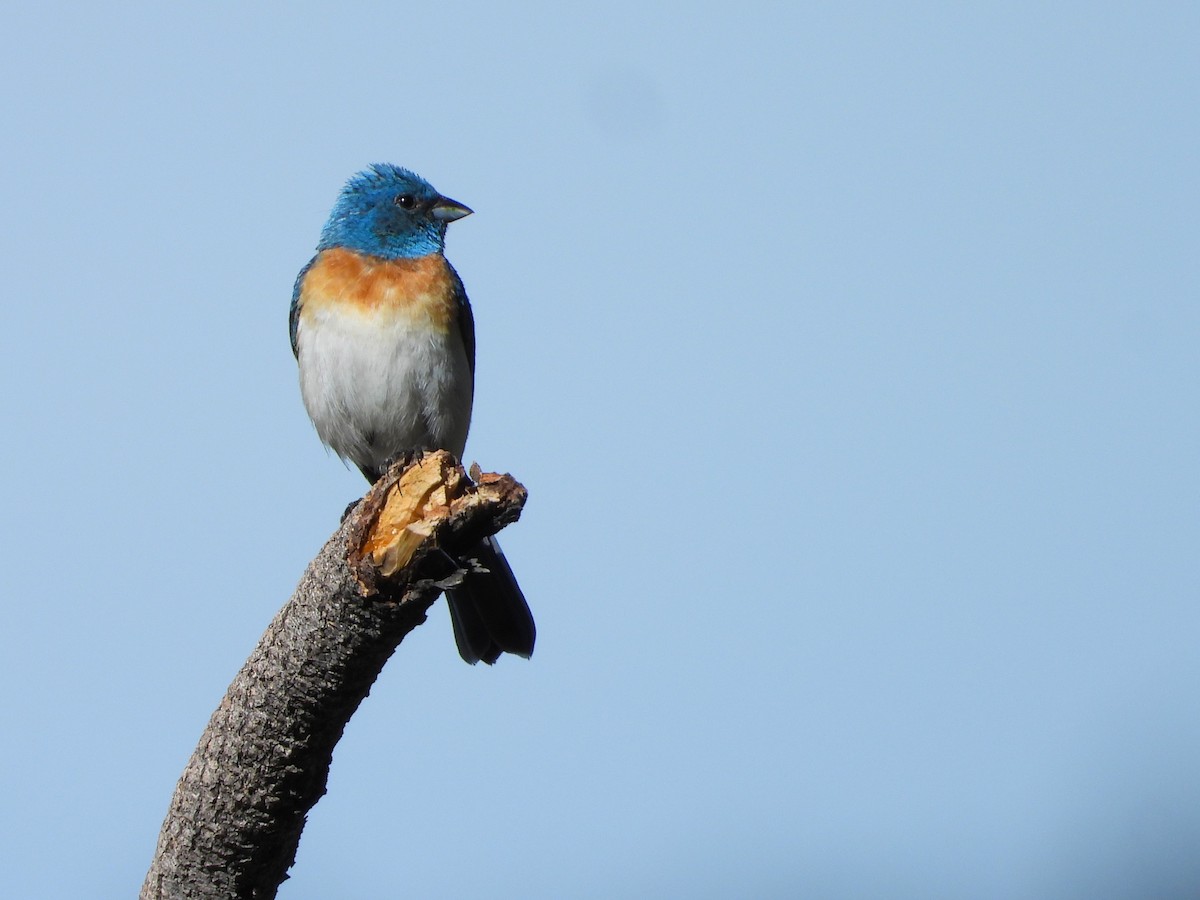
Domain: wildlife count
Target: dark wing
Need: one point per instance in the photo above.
(466, 319)
(294, 312)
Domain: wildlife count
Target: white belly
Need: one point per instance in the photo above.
(375, 386)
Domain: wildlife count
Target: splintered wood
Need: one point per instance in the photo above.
(412, 508)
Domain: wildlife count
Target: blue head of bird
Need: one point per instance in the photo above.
(390, 212)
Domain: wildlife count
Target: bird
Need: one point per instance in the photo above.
(384, 338)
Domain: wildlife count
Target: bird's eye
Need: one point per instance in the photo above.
(406, 201)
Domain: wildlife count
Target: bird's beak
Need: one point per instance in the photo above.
(446, 210)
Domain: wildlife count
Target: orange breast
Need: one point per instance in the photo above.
(420, 289)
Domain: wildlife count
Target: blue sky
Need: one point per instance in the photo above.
(848, 353)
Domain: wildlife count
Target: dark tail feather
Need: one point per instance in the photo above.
(489, 612)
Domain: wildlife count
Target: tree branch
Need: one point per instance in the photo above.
(235, 820)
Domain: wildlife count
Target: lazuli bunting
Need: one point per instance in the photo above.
(385, 340)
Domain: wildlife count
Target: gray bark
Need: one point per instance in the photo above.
(234, 823)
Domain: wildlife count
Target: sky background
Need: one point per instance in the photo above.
(848, 352)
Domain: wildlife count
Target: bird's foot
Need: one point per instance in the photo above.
(404, 459)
